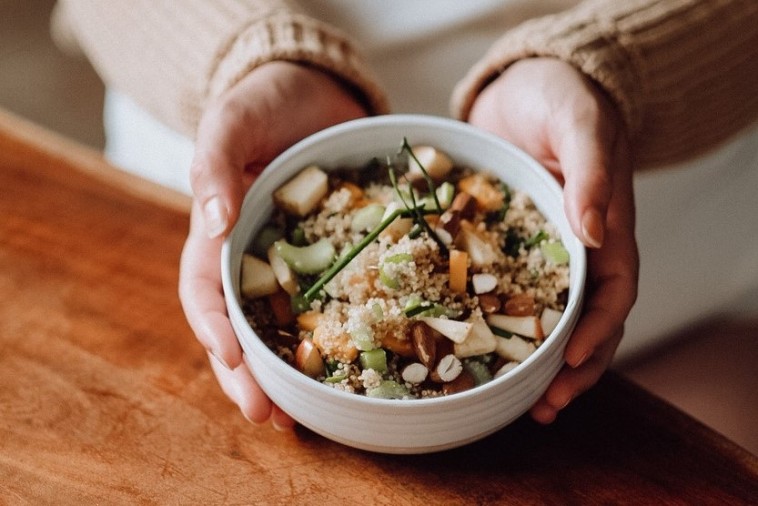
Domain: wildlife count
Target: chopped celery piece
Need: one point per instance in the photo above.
(310, 259)
(413, 301)
(535, 239)
(264, 239)
(555, 253)
(374, 359)
(388, 389)
(363, 337)
(398, 258)
(299, 304)
(500, 332)
(478, 370)
(445, 193)
(417, 307)
(336, 378)
(376, 310)
(387, 279)
(298, 237)
(366, 218)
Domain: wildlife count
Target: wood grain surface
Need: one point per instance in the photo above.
(106, 397)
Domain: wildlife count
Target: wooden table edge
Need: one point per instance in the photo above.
(88, 160)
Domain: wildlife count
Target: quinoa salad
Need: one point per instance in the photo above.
(405, 278)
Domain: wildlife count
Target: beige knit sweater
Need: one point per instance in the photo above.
(683, 73)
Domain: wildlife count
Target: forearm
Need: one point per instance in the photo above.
(175, 57)
(683, 73)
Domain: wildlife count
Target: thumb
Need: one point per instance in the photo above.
(216, 174)
(585, 159)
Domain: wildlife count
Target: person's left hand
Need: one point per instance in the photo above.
(554, 113)
(274, 106)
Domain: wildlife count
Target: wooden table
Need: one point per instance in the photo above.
(106, 397)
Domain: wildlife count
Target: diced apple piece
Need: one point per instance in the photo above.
(301, 194)
(488, 198)
(308, 359)
(309, 320)
(549, 320)
(480, 341)
(480, 252)
(400, 226)
(257, 277)
(436, 163)
(282, 271)
(508, 367)
(527, 326)
(514, 348)
(335, 343)
(454, 330)
(458, 270)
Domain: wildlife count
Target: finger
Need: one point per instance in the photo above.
(611, 296)
(242, 389)
(584, 151)
(572, 382)
(613, 271)
(280, 420)
(217, 168)
(202, 297)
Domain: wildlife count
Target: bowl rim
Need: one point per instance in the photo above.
(578, 262)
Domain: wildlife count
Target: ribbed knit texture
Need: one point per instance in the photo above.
(684, 73)
(174, 57)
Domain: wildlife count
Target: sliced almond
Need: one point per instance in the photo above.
(483, 282)
(464, 381)
(415, 373)
(448, 369)
(520, 304)
(308, 359)
(489, 303)
(424, 343)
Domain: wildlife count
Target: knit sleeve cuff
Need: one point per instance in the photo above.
(584, 39)
(300, 39)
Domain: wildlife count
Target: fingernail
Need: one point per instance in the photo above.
(279, 428)
(581, 360)
(248, 419)
(592, 228)
(568, 401)
(215, 216)
(220, 360)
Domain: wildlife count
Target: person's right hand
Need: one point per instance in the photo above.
(273, 107)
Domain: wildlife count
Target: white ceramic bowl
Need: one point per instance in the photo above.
(403, 426)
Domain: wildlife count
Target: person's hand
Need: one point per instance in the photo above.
(551, 111)
(273, 107)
